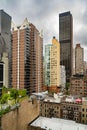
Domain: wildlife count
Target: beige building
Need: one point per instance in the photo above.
(79, 59)
(55, 63)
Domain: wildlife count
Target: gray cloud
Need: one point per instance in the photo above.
(44, 14)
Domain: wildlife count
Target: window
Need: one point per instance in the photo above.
(83, 109)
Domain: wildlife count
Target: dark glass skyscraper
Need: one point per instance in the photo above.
(5, 29)
(66, 42)
(5, 37)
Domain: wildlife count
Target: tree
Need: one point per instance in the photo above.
(4, 90)
(14, 94)
(4, 98)
(22, 92)
(67, 87)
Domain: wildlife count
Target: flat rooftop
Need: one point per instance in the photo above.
(57, 124)
(52, 99)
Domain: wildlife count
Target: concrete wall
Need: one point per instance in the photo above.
(19, 118)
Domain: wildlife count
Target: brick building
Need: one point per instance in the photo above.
(20, 56)
(36, 59)
(27, 57)
(71, 111)
(66, 109)
(50, 108)
(78, 85)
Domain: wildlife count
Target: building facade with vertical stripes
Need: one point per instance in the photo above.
(27, 55)
(36, 59)
(20, 56)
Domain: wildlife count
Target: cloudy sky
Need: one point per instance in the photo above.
(44, 14)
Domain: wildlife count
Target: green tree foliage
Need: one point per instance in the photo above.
(14, 94)
(67, 85)
(4, 98)
(8, 94)
(22, 92)
(4, 90)
(67, 88)
(4, 111)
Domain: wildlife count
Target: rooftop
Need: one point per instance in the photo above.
(57, 124)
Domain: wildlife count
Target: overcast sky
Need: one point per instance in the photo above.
(44, 14)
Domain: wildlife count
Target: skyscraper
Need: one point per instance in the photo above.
(66, 42)
(79, 59)
(55, 63)
(27, 54)
(21, 56)
(5, 38)
(36, 59)
(52, 64)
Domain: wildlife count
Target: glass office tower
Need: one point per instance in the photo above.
(5, 39)
(66, 42)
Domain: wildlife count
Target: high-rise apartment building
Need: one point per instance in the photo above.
(21, 56)
(36, 59)
(52, 63)
(27, 54)
(79, 59)
(55, 63)
(66, 42)
(5, 39)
